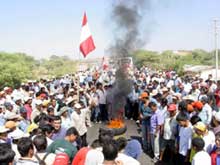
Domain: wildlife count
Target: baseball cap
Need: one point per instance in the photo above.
(197, 104)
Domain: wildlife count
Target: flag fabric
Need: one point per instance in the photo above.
(86, 41)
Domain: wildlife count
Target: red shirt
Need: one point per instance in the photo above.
(80, 157)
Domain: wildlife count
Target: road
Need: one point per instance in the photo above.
(132, 132)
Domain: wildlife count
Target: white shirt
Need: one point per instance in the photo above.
(94, 157)
(185, 139)
(102, 96)
(201, 158)
(127, 160)
(79, 121)
(209, 140)
(170, 128)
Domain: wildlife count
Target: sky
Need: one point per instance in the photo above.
(42, 28)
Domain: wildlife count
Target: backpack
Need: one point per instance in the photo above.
(61, 159)
(41, 161)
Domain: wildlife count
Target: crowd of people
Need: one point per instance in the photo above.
(46, 121)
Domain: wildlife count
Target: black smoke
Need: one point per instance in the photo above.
(126, 16)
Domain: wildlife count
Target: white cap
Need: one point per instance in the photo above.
(11, 115)
(77, 106)
(38, 102)
(27, 98)
(216, 115)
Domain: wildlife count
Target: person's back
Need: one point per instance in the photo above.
(201, 157)
(128, 160)
(80, 156)
(26, 150)
(41, 155)
(65, 145)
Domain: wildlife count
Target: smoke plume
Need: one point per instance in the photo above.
(127, 17)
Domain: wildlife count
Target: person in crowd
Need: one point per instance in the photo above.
(102, 102)
(156, 124)
(125, 159)
(40, 143)
(26, 150)
(6, 155)
(78, 119)
(169, 131)
(145, 114)
(206, 113)
(201, 157)
(37, 110)
(4, 135)
(59, 131)
(110, 153)
(65, 145)
(185, 138)
(47, 130)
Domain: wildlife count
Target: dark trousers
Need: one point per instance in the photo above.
(103, 112)
(181, 160)
(83, 140)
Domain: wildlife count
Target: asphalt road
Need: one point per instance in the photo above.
(132, 132)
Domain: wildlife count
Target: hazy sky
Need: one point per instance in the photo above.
(45, 27)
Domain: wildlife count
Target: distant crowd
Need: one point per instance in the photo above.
(46, 121)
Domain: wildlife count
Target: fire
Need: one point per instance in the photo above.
(116, 123)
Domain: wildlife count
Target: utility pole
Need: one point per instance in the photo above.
(216, 48)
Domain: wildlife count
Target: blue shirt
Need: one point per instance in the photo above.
(60, 134)
(155, 120)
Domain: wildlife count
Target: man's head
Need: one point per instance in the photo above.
(172, 109)
(198, 144)
(153, 106)
(40, 143)
(110, 151)
(71, 134)
(182, 119)
(25, 147)
(47, 130)
(6, 155)
(57, 123)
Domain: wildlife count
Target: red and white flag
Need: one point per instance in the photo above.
(86, 41)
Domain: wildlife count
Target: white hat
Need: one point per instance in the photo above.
(11, 115)
(164, 89)
(71, 99)
(71, 90)
(38, 102)
(18, 134)
(27, 98)
(77, 106)
(60, 96)
(3, 129)
(154, 93)
(16, 98)
(216, 115)
(6, 88)
(62, 110)
(189, 97)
